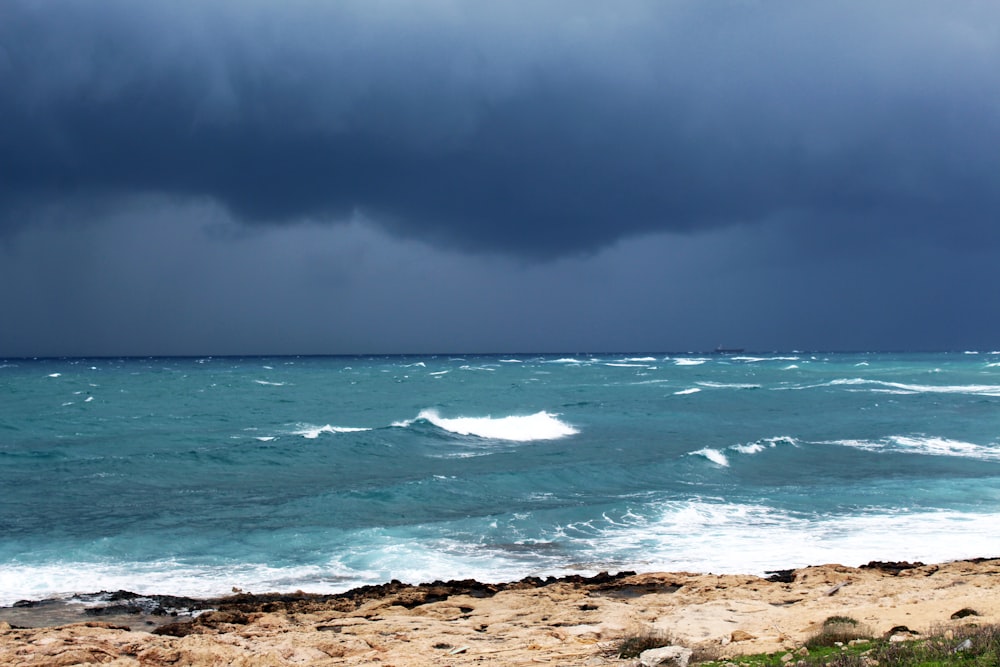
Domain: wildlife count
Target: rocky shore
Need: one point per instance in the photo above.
(564, 621)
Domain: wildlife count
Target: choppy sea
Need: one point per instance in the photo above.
(194, 476)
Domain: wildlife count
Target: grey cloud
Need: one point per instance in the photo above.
(536, 129)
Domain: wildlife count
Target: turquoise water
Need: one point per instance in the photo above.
(191, 476)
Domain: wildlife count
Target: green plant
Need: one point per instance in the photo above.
(966, 646)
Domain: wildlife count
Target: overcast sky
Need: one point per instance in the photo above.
(384, 176)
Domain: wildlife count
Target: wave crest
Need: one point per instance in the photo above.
(517, 428)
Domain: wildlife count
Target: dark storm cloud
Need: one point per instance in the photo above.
(532, 128)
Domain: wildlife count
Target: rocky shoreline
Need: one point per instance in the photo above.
(567, 620)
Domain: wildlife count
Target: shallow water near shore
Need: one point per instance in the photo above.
(194, 476)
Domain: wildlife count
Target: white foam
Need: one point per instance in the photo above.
(972, 389)
(55, 375)
(897, 387)
(754, 360)
(685, 392)
(270, 384)
(439, 373)
(694, 535)
(687, 361)
(518, 428)
(642, 359)
(511, 361)
(728, 385)
(313, 432)
(713, 455)
(759, 446)
(702, 536)
(61, 580)
(265, 438)
(924, 445)
(751, 448)
(621, 364)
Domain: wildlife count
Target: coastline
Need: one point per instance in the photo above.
(567, 620)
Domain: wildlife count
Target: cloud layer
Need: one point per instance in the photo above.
(250, 177)
(535, 129)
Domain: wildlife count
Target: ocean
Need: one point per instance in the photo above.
(197, 476)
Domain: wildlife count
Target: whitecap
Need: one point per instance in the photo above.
(729, 385)
(892, 387)
(713, 455)
(55, 375)
(313, 432)
(759, 446)
(924, 445)
(946, 447)
(685, 392)
(518, 428)
(270, 384)
(749, 448)
(687, 361)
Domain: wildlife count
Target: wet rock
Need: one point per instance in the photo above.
(891, 567)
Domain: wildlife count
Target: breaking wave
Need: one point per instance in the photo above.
(721, 458)
(516, 428)
(313, 432)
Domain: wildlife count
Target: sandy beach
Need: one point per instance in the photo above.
(569, 621)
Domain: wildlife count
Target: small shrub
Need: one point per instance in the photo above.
(630, 646)
(838, 629)
(705, 653)
(840, 620)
